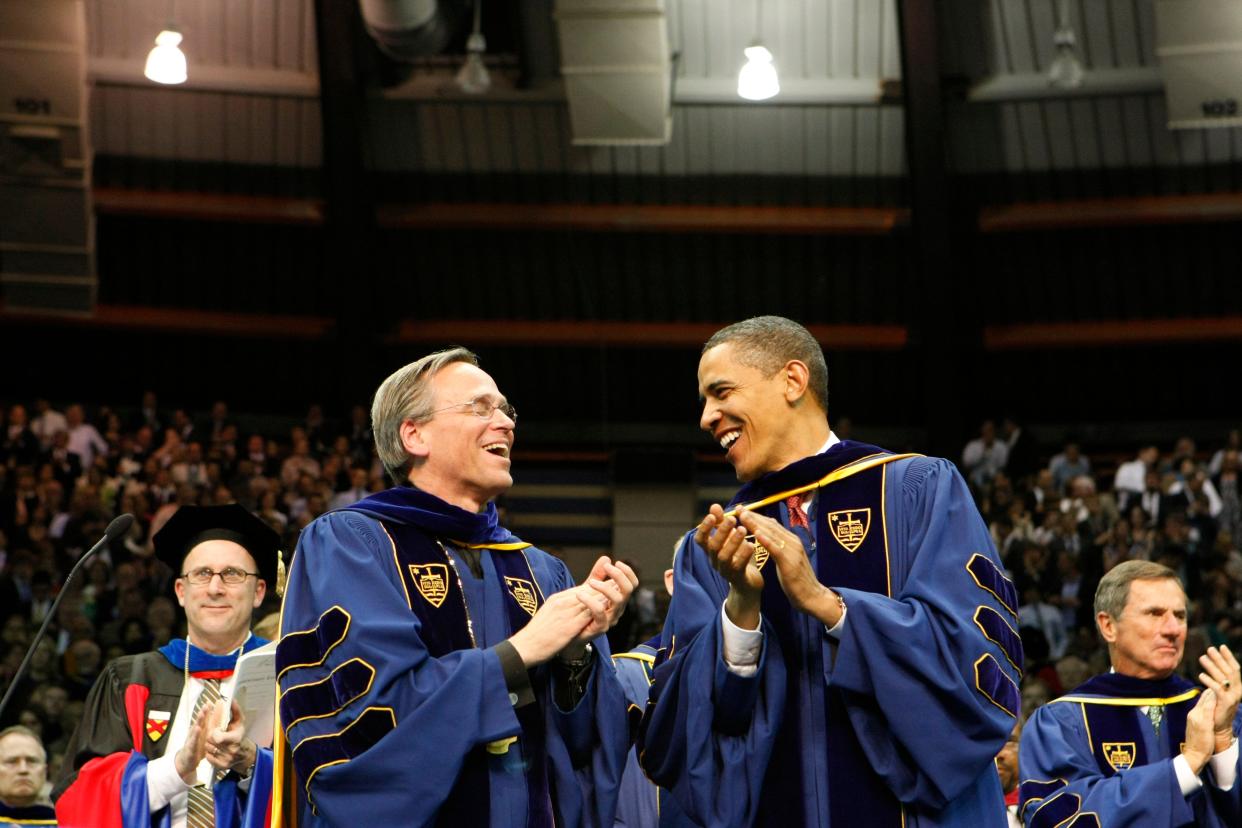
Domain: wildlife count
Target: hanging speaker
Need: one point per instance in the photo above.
(1199, 43)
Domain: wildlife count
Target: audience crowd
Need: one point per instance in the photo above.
(1060, 524)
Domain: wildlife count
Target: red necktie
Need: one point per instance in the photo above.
(797, 517)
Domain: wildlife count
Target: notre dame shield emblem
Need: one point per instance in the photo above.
(1120, 755)
(432, 582)
(523, 591)
(761, 553)
(850, 527)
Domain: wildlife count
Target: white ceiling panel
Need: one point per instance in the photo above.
(154, 122)
(470, 137)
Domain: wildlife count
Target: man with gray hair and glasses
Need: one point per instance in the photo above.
(434, 669)
(1138, 745)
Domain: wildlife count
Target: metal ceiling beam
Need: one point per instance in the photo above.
(941, 329)
(647, 218)
(593, 218)
(1203, 208)
(181, 321)
(627, 334)
(240, 80)
(439, 87)
(1096, 83)
(349, 212)
(1112, 333)
(224, 207)
(231, 324)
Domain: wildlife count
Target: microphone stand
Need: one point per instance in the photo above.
(115, 529)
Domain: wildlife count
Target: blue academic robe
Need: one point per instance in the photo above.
(1092, 758)
(636, 799)
(897, 723)
(397, 729)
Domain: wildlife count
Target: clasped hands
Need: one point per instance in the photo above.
(572, 617)
(224, 748)
(729, 541)
(1209, 724)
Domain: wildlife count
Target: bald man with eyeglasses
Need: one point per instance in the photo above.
(151, 744)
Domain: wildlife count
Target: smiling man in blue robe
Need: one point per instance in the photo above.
(840, 647)
(1138, 745)
(433, 668)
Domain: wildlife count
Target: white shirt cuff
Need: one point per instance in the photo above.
(1225, 766)
(741, 647)
(1186, 779)
(836, 629)
(163, 781)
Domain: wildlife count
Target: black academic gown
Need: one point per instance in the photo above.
(27, 815)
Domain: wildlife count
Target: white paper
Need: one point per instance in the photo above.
(254, 687)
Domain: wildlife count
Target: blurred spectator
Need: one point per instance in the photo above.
(1183, 452)
(1042, 496)
(23, 774)
(984, 456)
(1131, 476)
(84, 439)
(1233, 443)
(299, 463)
(1152, 499)
(217, 425)
(183, 425)
(1035, 693)
(19, 446)
(359, 434)
(357, 490)
(1072, 671)
(1067, 465)
(1070, 599)
(316, 428)
(46, 422)
(50, 699)
(83, 661)
(148, 414)
(1037, 613)
(1023, 453)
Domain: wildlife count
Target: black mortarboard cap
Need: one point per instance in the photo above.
(191, 525)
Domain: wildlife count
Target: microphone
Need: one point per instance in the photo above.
(119, 526)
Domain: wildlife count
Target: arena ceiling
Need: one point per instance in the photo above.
(304, 213)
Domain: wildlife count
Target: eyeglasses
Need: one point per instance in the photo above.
(481, 407)
(230, 575)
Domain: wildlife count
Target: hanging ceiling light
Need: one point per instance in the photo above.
(166, 62)
(473, 77)
(1066, 70)
(757, 81)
